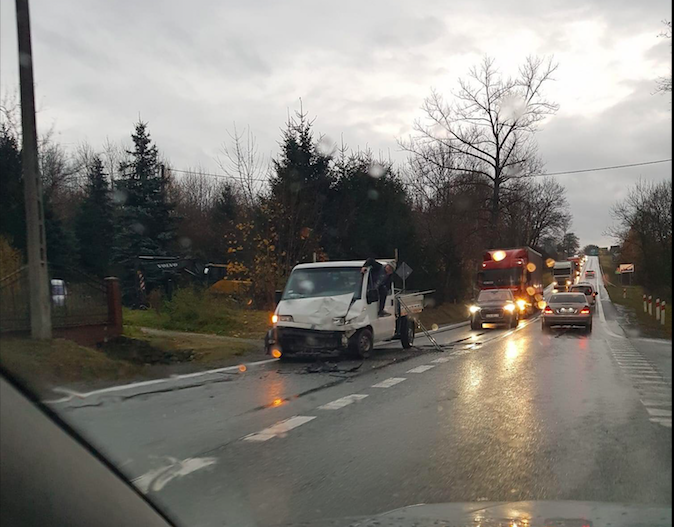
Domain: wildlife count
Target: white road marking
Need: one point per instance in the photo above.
(122, 387)
(441, 360)
(652, 402)
(421, 369)
(156, 479)
(344, 401)
(389, 382)
(279, 428)
(659, 412)
(666, 422)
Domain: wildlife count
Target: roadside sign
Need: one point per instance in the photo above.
(404, 271)
(626, 268)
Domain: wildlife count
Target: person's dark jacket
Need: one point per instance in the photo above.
(380, 279)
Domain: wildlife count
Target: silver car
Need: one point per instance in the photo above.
(567, 309)
(587, 289)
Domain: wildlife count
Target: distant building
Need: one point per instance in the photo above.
(614, 249)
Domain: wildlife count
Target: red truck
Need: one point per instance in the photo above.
(519, 269)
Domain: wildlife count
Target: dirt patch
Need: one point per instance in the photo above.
(138, 351)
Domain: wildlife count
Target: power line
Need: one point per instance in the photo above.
(597, 169)
(222, 176)
(562, 173)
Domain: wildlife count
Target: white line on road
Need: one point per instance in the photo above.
(664, 421)
(652, 402)
(389, 382)
(279, 428)
(344, 401)
(441, 360)
(421, 369)
(659, 412)
(129, 386)
(156, 479)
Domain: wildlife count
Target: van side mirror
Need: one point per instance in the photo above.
(372, 296)
(277, 296)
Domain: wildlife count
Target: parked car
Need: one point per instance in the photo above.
(567, 309)
(587, 289)
(494, 306)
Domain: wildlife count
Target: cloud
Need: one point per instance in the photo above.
(362, 68)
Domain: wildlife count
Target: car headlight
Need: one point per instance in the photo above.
(473, 309)
(554, 283)
(509, 308)
(521, 304)
(568, 282)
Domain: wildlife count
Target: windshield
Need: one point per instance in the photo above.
(497, 277)
(324, 281)
(568, 298)
(304, 252)
(495, 295)
(582, 289)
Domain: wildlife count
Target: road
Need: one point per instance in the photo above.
(497, 415)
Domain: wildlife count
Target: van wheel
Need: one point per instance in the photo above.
(361, 343)
(407, 332)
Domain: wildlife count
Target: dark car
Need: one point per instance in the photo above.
(494, 306)
(567, 309)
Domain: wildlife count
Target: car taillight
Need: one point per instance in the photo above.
(585, 311)
(547, 309)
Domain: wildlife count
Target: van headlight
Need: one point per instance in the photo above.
(510, 308)
(473, 309)
(285, 318)
(339, 321)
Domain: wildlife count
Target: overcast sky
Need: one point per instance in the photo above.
(362, 68)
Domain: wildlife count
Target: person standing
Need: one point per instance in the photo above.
(382, 278)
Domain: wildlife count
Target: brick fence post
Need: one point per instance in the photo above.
(114, 305)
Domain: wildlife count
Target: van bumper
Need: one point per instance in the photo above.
(293, 341)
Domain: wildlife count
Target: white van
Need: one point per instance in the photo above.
(329, 307)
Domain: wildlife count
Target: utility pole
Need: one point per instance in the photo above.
(38, 276)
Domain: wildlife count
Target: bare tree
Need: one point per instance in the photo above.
(488, 127)
(664, 84)
(644, 225)
(242, 161)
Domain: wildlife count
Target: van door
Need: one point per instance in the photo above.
(383, 327)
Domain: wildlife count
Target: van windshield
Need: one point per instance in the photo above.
(323, 281)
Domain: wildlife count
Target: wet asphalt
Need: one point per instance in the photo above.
(494, 415)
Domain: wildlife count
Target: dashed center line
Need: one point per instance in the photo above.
(389, 382)
(344, 401)
(441, 360)
(421, 369)
(279, 428)
(659, 412)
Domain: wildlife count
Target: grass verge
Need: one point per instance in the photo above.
(202, 312)
(44, 365)
(633, 301)
(444, 314)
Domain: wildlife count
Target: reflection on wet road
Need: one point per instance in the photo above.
(498, 415)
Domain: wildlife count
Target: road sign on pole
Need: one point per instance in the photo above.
(626, 268)
(404, 271)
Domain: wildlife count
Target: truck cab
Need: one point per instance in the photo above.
(562, 276)
(331, 307)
